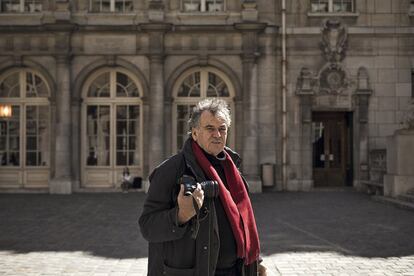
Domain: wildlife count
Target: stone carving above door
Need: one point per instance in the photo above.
(333, 80)
(334, 40)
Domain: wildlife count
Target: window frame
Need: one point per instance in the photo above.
(189, 6)
(112, 7)
(109, 176)
(330, 10)
(179, 100)
(22, 6)
(23, 102)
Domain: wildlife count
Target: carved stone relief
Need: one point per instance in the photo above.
(334, 40)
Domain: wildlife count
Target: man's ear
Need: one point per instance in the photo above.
(194, 134)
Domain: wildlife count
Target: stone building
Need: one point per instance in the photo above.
(96, 86)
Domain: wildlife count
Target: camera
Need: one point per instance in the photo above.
(210, 188)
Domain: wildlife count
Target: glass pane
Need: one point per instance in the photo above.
(10, 6)
(14, 159)
(10, 87)
(100, 86)
(100, 5)
(95, 5)
(216, 86)
(132, 142)
(318, 144)
(31, 143)
(214, 5)
(342, 6)
(127, 138)
(125, 87)
(191, 5)
(183, 115)
(133, 158)
(2, 139)
(9, 139)
(121, 158)
(190, 86)
(33, 6)
(98, 140)
(37, 136)
(31, 158)
(319, 5)
(35, 86)
(123, 5)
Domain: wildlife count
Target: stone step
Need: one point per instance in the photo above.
(395, 202)
(407, 198)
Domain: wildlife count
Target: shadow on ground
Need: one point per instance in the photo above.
(106, 224)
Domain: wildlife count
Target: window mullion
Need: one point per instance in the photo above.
(203, 5)
(330, 6)
(112, 84)
(112, 6)
(22, 142)
(203, 83)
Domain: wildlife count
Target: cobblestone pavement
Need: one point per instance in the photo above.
(314, 233)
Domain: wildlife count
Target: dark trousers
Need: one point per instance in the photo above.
(234, 271)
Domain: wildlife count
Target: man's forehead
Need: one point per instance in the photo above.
(207, 118)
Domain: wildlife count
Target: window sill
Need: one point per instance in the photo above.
(333, 14)
(206, 15)
(21, 13)
(111, 13)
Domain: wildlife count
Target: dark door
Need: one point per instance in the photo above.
(330, 148)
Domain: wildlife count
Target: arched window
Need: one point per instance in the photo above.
(112, 112)
(193, 86)
(25, 136)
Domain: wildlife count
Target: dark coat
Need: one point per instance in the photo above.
(172, 250)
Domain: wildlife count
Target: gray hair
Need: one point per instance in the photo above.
(217, 107)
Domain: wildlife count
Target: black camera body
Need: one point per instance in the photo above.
(210, 188)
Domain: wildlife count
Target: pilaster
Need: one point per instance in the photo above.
(61, 182)
(156, 147)
(250, 126)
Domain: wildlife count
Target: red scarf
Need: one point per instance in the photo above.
(236, 204)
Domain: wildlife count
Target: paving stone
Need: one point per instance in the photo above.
(314, 233)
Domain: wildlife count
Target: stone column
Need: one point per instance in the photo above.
(361, 136)
(306, 140)
(250, 154)
(250, 148)
(156, 97)
(62, 179)
(305, 92)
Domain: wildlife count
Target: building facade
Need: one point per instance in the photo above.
(97, 86)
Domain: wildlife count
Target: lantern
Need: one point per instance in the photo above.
(5, 111)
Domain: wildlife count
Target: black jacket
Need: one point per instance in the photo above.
(172, 251)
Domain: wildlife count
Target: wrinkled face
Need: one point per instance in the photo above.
(211, 134)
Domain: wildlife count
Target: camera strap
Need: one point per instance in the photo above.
(196, 225)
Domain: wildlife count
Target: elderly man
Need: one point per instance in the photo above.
(201, 234)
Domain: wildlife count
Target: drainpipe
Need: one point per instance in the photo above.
(284, 92)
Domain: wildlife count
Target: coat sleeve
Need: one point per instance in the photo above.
(158, 221)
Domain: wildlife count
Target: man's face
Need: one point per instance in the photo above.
(211, 134)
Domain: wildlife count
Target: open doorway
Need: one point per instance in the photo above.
(332, 148)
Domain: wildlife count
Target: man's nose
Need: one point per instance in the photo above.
(216, 133)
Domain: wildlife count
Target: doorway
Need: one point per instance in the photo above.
(331, 148)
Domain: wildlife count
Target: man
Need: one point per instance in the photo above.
(198, 235)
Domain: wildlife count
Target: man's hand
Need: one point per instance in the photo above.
(261, 270)
(185, 203)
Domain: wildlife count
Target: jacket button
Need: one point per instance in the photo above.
(205, 247)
